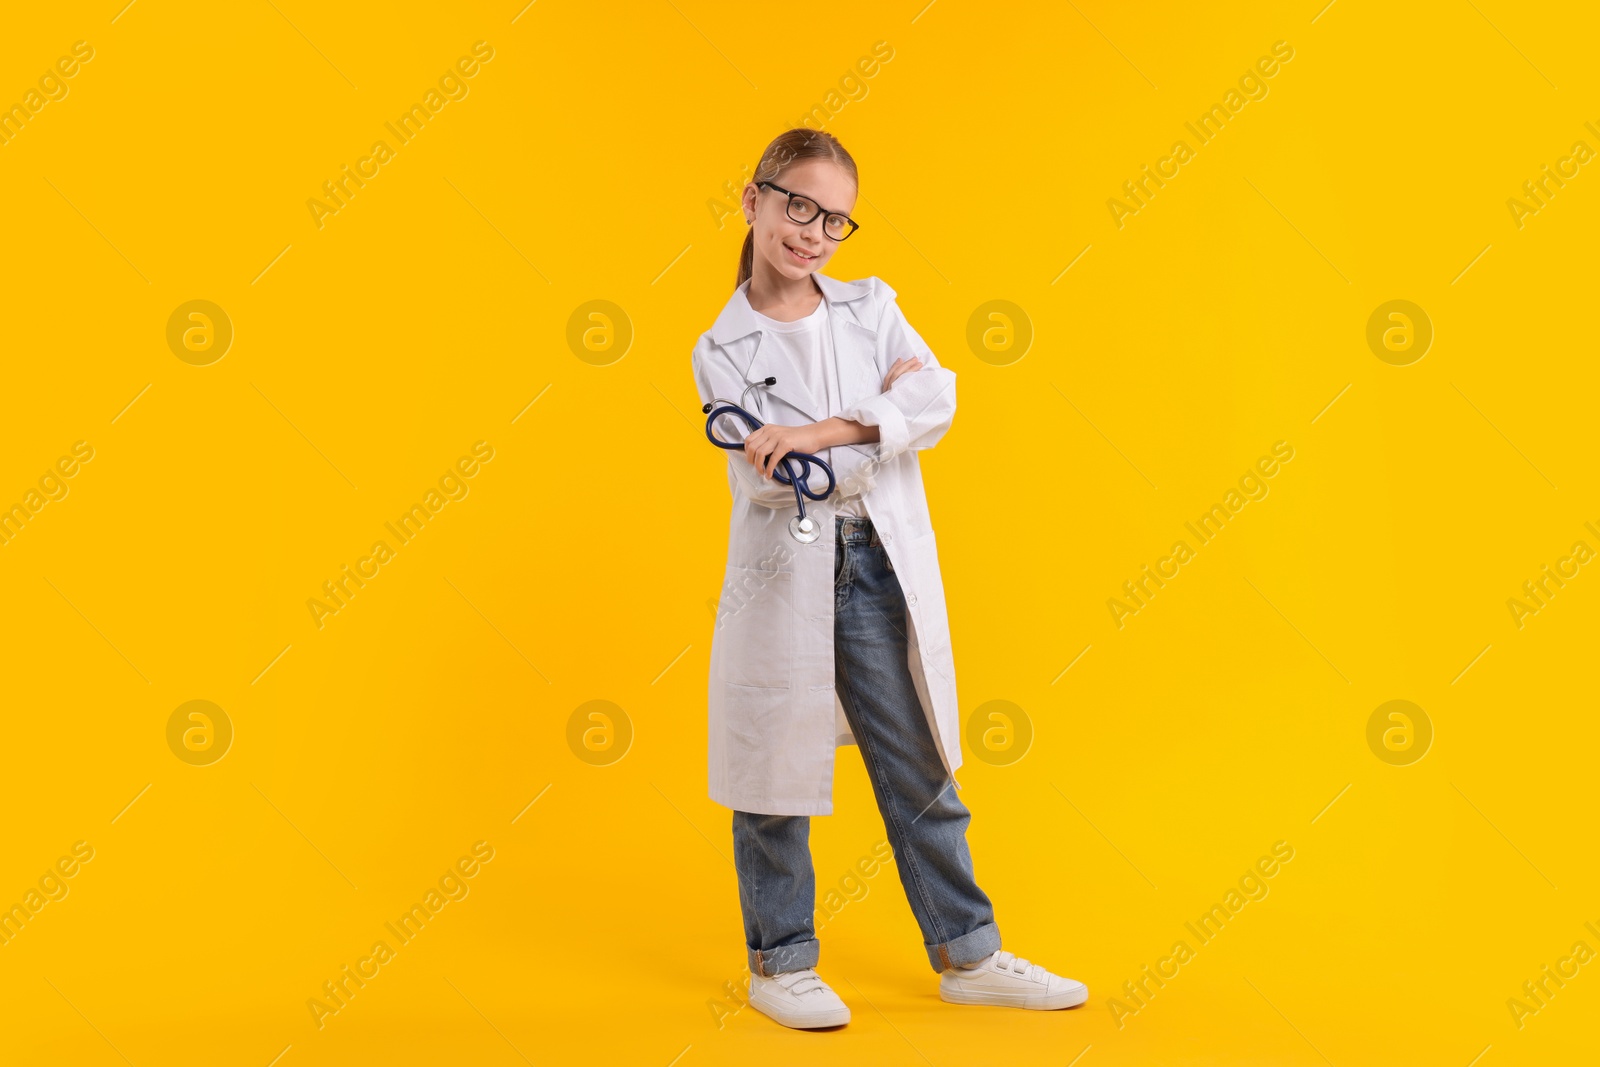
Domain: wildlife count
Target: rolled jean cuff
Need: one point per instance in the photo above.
(965, 950)
(795, 957)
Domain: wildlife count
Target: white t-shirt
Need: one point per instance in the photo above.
(809, 342)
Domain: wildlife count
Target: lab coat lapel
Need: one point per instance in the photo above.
(774, 361)
(854, 342)
(859, 376)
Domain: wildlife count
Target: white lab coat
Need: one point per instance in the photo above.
(775, 719)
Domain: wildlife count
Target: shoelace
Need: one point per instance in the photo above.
(801, 982)
(1006, 961)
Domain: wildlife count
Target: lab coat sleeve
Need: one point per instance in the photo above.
(715, 376)
(919, 406)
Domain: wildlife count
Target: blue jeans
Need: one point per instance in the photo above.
(925, 820)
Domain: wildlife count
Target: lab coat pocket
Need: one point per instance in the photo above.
(756, 627)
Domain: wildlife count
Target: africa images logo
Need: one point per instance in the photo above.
(452, 86)
(452, 886)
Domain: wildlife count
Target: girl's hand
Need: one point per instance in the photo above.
(903, 365)
(766, 446)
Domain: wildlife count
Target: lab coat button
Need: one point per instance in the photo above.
(913, 598)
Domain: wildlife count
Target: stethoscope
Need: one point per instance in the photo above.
(802, 527)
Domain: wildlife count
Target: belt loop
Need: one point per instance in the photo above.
(856, 529)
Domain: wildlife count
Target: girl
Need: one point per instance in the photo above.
(801, 664)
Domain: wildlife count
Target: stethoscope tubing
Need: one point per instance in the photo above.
(793, 470)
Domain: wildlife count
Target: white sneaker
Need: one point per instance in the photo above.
(800, 999)
(1010, 981)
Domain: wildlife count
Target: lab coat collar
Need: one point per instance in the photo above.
(738, 318)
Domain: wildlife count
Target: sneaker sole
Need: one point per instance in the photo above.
(1069, 999)
(810, 1021)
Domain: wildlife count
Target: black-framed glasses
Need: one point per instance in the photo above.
(803, 209)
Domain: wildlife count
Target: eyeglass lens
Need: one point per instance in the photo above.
(803, 210)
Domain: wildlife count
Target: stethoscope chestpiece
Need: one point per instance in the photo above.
(805, 530)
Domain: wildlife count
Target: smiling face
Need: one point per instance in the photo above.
(785, 244)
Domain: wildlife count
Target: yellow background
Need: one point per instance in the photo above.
(586, 163)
